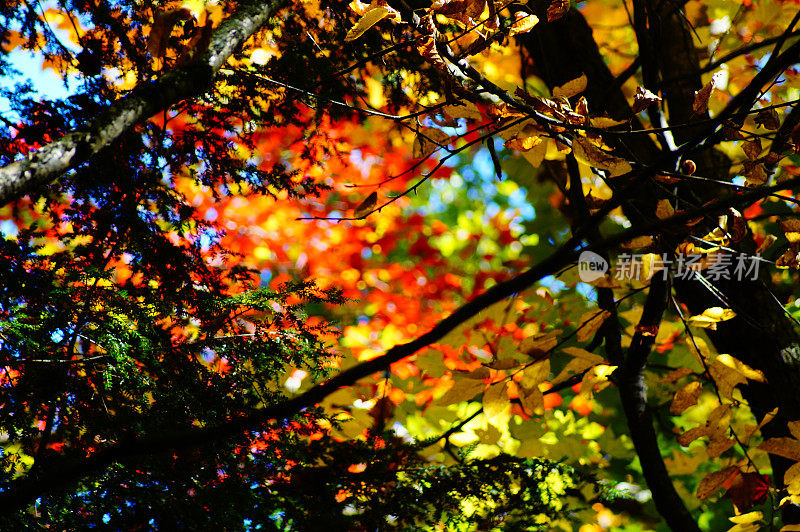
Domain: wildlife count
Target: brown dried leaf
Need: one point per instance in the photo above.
(714, 481)
(737, 225)
(557, 9)
(768, 118)
(717, 446)
(586, 152)
(664, 209)
(700, 105)
(366, 206)
(427, 49)
(756, 175)
(686, 397)
(643, 99)
(590, 322)
(766, 243)
(786, 447)
(752, 148)
(790, 259)
(732, 131)
(539, 343)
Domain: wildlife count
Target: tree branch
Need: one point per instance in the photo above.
(51, 161)
(60, 471)
(633, 394)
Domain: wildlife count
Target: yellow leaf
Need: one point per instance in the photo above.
(369, 19)
(571, 88)
(686, 397)
(523, 24)
(742, 368)
(718, 423)
(729, 372)
(590, 322)
(698, 347)
(581, 361)
(523, 143)
(595, 378)
(714, 481)
(469, 111)
(532, 400)
(786, 447)
(711, 316)
(589, 154)
(791, 479)
(463, 390)
(750, 517)
(725, 378)
(495, 400)
(791, 228)
(535, 374)
(766, 419)
(536, 155)
(603, 122)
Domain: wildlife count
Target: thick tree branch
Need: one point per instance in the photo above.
(51, 161)
(630, 379)
(633, 394)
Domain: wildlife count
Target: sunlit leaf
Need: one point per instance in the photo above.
(571, 88)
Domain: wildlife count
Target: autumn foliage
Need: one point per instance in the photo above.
(461, 265)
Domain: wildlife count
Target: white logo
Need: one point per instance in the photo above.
(591, 266)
